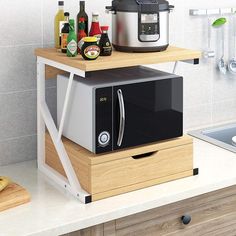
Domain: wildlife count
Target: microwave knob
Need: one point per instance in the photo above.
(104, 139)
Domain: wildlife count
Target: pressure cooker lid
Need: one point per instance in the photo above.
(133, 5)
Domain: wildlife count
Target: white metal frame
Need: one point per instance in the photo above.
(44, 119)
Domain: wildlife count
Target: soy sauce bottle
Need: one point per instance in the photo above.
(104, 43)
(65, 32)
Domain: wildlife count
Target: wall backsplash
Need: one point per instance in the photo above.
(208, 97)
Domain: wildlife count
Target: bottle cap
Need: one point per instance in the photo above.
(72, 22)
(95, 13)
(104, 28)
(90, 39)
(60, 3)
(66, 14)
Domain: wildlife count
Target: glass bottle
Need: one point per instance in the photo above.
(95, 30)
(81, 33)
(104, 43)
(72, 40)
(58, 18)
(65, 32)
(82, 14)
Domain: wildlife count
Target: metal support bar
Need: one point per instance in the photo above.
(44, 117)
(65, 107)
(70, 173)
(175, 67)
(62, 66)
(63, 183)
(40, 121)
(193, 61)
(212, 12)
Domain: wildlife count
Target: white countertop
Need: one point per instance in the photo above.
(53, 212)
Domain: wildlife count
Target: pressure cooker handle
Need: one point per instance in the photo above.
(171, 7)
(110, 9)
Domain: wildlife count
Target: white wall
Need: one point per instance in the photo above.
(27, 24)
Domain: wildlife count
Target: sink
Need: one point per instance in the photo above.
(220, 136)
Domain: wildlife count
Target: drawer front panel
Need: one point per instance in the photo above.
(209, 213)
(138, 169)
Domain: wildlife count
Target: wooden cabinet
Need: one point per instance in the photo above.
(212, 214)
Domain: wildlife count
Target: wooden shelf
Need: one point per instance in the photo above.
(50, 63)
(119, 59)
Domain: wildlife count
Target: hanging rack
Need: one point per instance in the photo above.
(211, 12)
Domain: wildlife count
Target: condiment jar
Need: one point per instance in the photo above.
(90, 49)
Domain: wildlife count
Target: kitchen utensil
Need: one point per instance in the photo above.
(232, 61)
(221, 63)
(140, 25)
(209, 53)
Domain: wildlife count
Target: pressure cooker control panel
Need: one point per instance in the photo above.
(149, 30)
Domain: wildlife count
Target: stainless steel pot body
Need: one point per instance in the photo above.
(125, 33)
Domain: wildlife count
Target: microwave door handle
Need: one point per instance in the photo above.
(122, 117)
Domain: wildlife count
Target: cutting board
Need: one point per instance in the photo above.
(12, 196)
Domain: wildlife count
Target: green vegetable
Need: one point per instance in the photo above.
(219, 22)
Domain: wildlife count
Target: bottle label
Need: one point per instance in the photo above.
(92, 52)
(61, 24)
(107, 49)
(64, 40)
(72, 47)
(80, 43)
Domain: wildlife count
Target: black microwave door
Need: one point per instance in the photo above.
(147, 112)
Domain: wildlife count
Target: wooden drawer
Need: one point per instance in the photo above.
(213, 214)
(118, 172)
(133, 170)
(209, 213)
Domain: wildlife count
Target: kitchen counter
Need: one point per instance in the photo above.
(54, 212)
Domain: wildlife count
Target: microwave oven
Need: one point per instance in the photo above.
(121, 108)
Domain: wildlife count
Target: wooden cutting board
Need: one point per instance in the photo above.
(12, 196)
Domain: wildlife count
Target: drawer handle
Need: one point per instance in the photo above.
(186, 219)
(145, 155)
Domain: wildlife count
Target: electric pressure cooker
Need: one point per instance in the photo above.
(140, 25)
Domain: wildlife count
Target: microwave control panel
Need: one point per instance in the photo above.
(103, 122)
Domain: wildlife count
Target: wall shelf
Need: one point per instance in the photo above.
(212, 12)
(50, 62)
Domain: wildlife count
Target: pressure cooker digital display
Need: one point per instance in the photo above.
(149, 18)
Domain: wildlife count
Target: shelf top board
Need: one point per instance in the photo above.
(119, 59)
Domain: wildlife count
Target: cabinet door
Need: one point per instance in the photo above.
(211, 214)
(96, 230)
(147, 112)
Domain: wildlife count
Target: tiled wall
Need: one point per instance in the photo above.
(209, 97)
(27, 24)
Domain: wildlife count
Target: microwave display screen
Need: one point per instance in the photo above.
(149, 18)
